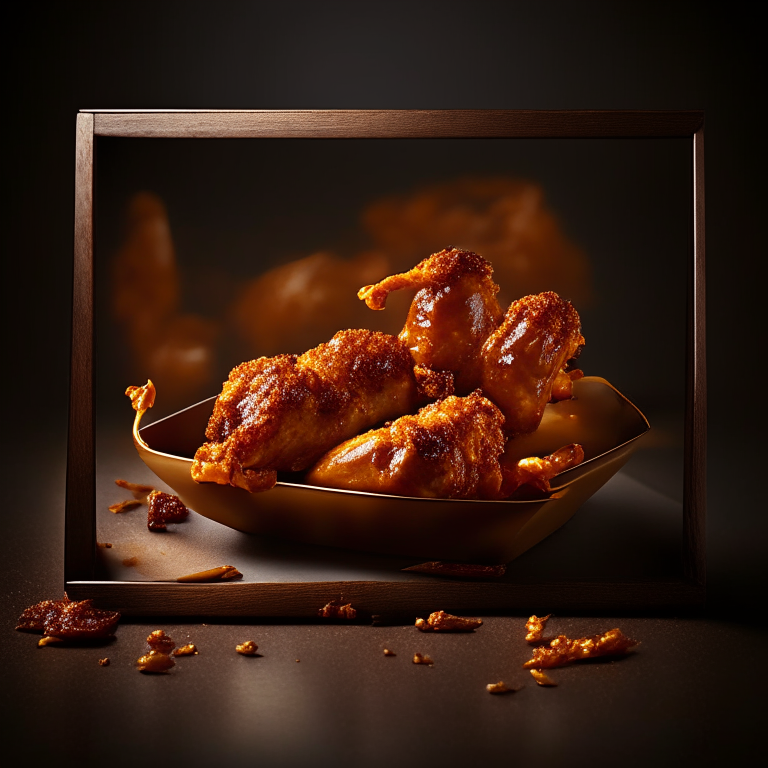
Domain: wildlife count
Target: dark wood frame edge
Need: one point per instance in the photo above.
(80, 523)
(302, 600)
(399, 124)
(149, 598)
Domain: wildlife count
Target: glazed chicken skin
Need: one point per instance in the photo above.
(449, 449)
(524, 360)
(451, 316)
(282, 413)
(455, 325)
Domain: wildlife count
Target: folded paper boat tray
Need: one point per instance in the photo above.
(600, 418)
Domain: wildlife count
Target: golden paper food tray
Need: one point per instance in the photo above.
(599, 417)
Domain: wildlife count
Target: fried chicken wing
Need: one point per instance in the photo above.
(450, 450)
(524, 358)
(451, 316)
(282, 413)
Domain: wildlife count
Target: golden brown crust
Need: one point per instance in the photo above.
(282, 413)
(450, 317)
(522, 359)
(433, 385)
(450, 450)
(436, 271)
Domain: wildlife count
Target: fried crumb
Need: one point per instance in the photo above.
(34, 618)
(222, 573)
(335, 610)
(418, 658)
(138, 490)
(459, 570)
(159, 641)
(440, 621)
(104, 544)
(48, 640)
(248, 648)
(531, 476)
(190, 649)
(298, 661)
(535, 627)
(124, 506)
(500, 687)
(104, 662)
(131, 562)
(68, 620)
(387, 652)
(142, 398)
(562, 650)
(155, 662)
(542, 679)
(164, 508)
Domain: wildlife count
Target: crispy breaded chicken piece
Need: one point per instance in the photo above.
(455, 325)
(452, 314)
(449, 449)
(282, 413)
(526, 355)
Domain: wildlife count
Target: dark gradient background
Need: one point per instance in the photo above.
(559, 55)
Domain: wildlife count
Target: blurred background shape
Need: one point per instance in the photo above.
(297, 305)
(175, 350)
(302, 302)
(505, 220)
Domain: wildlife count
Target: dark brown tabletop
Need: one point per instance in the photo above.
(325, 694)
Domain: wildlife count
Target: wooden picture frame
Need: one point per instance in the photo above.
(395, 598)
